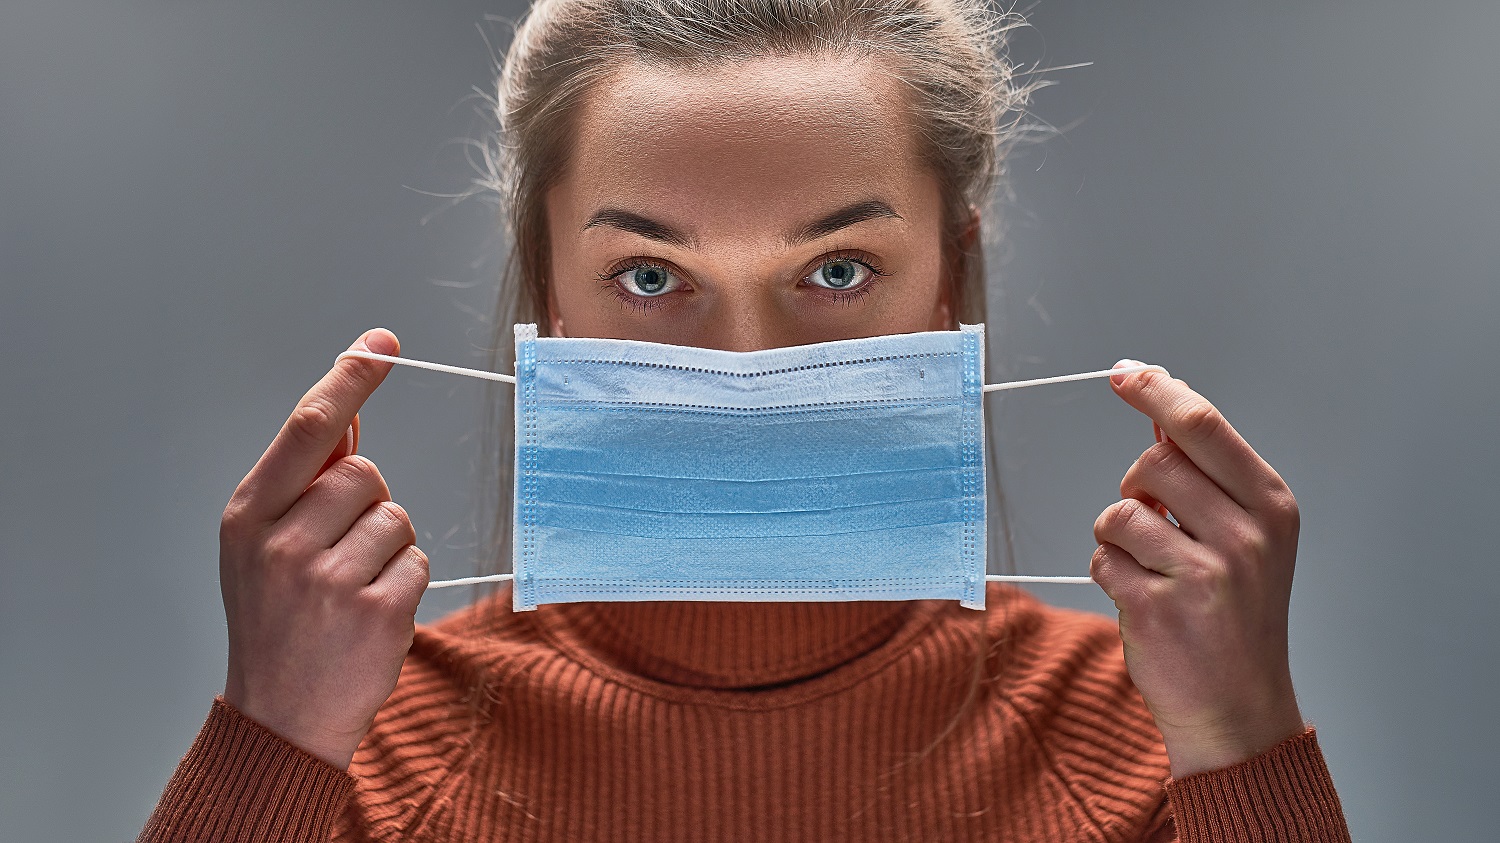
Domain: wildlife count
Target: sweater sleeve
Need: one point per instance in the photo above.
(1283, 794)
(242, 783)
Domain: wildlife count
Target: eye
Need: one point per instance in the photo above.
(841, 274)
(646, 280)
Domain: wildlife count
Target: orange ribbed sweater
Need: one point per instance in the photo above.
(689, 721)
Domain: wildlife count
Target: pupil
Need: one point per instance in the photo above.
(650, 280)
(839, 273)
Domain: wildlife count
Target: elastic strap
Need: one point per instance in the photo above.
(511, 379)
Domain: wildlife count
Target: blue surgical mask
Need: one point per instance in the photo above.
(849, 470)
(846, 470)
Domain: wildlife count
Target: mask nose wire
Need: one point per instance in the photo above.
(990, 387)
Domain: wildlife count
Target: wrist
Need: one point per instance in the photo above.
(1200, 749)
(335, 750)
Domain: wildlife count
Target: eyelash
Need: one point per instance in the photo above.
(607, 279)
(851, 296)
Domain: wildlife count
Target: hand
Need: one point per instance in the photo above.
(1203, 602)
(319, 572)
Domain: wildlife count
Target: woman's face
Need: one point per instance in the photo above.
(771, 203)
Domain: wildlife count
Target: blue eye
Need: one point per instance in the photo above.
(648, 280)
(840, 274)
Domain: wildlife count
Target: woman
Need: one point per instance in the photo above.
(742, 175)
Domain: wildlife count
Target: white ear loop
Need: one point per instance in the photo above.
(989, 387)
(436, 367)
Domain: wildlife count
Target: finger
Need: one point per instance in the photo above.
(331, 505)
(1160, 437)
(346, 447)
(403, 580)
(1166, 480)
(314, 429)
(1142, 532)
(1127, 582)
(1195, 425)
(374, 538)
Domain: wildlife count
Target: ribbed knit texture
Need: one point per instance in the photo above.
(684, 721)
(1250, 801)
(240, 781)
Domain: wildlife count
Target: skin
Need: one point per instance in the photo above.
(738, 160)
(320, 573)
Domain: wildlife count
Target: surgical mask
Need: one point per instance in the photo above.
(845, 470)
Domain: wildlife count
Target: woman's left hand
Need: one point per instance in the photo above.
(1203, 602)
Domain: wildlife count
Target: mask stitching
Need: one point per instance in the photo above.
(570, 473)
(527, 493)
(610, 586)
(973, 456)
(778, 409)
(822, 583)
(896, 503)
(573, 361)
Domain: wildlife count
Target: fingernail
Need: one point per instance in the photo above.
(378, 340)
(1120, 379)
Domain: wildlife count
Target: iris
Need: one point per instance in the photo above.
(839, 274)
(649, 280)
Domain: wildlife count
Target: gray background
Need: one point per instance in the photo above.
(1292, 206)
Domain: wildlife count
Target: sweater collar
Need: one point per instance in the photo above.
(726, 645)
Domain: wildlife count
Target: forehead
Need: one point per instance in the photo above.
(750, 133)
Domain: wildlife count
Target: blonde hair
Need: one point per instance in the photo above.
(967, 104)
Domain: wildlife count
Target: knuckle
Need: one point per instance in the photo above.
(327, 570)
(1120, 515)
(1163, 456)
(394, 599)
(314, 420)
(1098, 564)
(390, 606)
(1248, 543)
(236, 524)
(1205, 572)
(359, 473)
(1143, 381)
(1161, 460)
(1211, 579)
(311, 575)
(285, 546)
(414, 585)
(1283, 509)
(421, 570)
(1103, 522)
(395, 512)
(393, 518)
(1198, 418)
(374, 601)
(1127, 594)
(361, 368)
(359, 468)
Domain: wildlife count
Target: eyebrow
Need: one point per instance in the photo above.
(866, 209)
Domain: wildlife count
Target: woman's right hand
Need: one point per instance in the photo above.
(319, 571)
